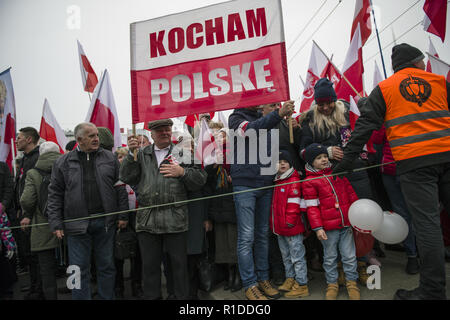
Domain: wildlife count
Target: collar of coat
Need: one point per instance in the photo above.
(309, 169)
(285, 175)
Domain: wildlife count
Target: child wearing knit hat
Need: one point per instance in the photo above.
(286, 222)
(328, 201)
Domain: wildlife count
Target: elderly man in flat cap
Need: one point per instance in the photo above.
(160, 179)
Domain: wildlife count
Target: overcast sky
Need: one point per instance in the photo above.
(38, 40)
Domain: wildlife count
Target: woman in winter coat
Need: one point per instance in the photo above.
(328, 201)
(43, 241)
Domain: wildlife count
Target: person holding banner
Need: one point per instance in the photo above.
(413, 105)
(160, 179)
(253, 207)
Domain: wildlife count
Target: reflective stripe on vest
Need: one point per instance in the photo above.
(417, 118)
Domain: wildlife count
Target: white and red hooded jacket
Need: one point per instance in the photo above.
(286, 216)
(327, 199)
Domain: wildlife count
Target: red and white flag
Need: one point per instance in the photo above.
(8, 119)
(353, 70)
(435, 17)
(220, 57)
(439, 67)
(50, 130)
(205, 150)
(362, 17)
(332, 74)
(222, 117)
(433, 52)
(353, 113)
(88, 75)
(377, 77)
(103, 112)
(317, 63)
(191, 119)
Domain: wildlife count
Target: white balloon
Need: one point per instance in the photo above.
(394, 229)
(365, 215)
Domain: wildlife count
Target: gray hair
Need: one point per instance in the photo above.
(79, 129)
(48, 146)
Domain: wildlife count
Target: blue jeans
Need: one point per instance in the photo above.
(342, 240)
(80, 249)
(394, 191)
(252, 211)
(293, 253)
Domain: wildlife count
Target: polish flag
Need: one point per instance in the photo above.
(432, 51)
(439, 67)
(332, 74)
(353, 113)
(222, 117)
(102, 111)
(362, 17)
(435, 17)
(50, 130)
(353, 70)
(88, 75)
(317, 63)
(377, 77)
(205, 150)
(8, 119)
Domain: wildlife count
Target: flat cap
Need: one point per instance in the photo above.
(159, 123)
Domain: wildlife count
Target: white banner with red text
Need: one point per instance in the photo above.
(220, 57)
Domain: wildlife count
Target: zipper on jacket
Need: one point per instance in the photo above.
(337, 201)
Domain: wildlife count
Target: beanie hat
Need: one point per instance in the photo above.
(312, 151)
(284, 155)
(403, 55)
(324, 91)
(106, 138)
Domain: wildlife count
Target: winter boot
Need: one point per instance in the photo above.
(237, 283)
(231, 275)
(267, 288)
(353, 290)
(287, 285)
(332, 291)
(362, 273)
(297, 291)
(253, 293)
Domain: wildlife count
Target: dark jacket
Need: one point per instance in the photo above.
(6, 185)
(154, 189)
(292, 148)
(27, 162)
(250, 174)
(221, 209)
(42, 237)
(66, 198)
(372, 118)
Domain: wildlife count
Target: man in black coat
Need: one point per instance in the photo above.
(26, 141)
(85, 183)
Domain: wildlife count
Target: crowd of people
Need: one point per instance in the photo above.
(79, 208)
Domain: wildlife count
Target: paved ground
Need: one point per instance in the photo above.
(393, 277)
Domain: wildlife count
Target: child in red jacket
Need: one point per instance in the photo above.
(328, 200)
(286, 222)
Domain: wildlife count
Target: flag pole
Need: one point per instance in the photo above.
(342, 75)
(434, 57)
(378, 38)
(133, 128)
